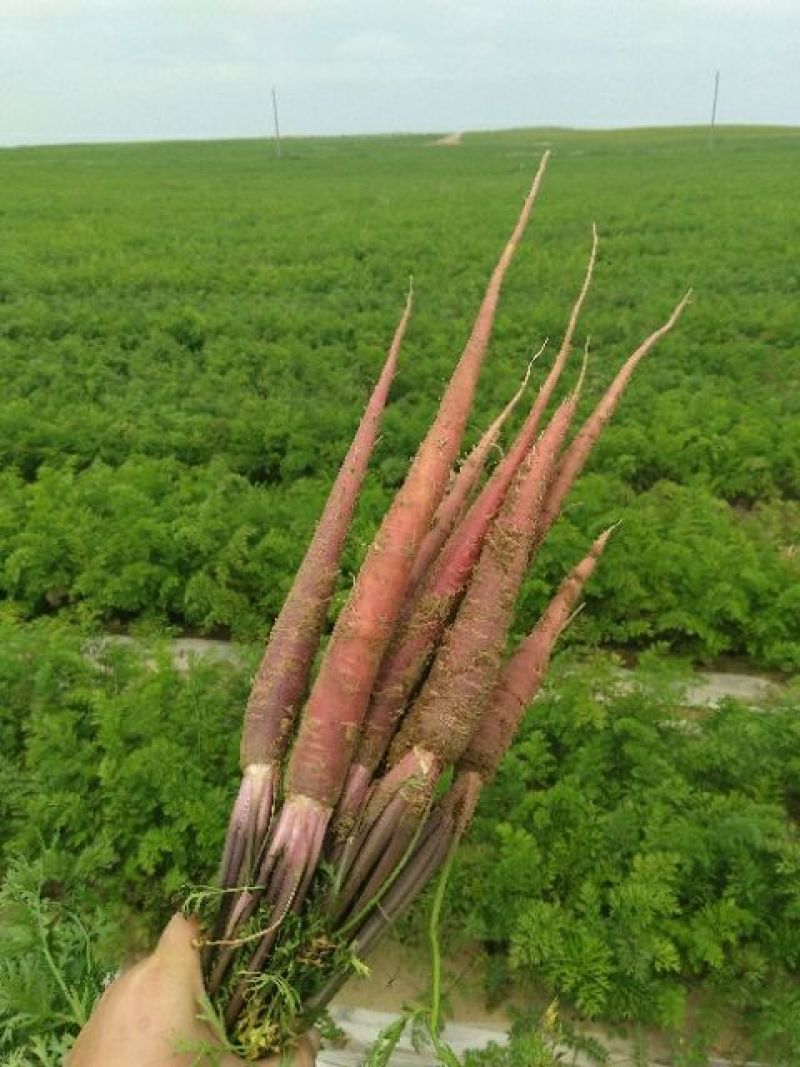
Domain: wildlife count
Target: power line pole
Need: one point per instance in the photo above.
(277, 127)
(713, 112)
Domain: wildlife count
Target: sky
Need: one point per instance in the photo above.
(123, 70)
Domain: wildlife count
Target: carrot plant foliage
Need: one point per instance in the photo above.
(163, 307)
(603, 818)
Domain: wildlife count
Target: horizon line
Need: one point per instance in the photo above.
(269, 137)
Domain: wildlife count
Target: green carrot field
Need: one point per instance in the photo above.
(188, 333)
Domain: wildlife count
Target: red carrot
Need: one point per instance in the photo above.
(444, 672)
(524, 439)
(419, 630)
(382, 851)
(282, 677)
(522, 675)
(573, 460)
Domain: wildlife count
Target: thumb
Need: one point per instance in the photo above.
(177, 952)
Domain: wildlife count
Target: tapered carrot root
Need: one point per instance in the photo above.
(418, 637)
(453, 504)
(496, 489)
(522, 675)
(282, 677)
(515, 689)
(440, 583)
(574, 459)
(399, 802)
(420, 632)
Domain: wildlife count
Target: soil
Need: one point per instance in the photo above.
(400, 974)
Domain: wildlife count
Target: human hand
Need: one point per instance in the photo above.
(152, 1010)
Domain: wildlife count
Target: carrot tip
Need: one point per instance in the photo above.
(536, 355)
(573, 616)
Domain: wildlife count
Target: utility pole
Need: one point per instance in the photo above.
(277, 127)
(713, 112)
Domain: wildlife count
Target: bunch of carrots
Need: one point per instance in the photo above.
(357, 786)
